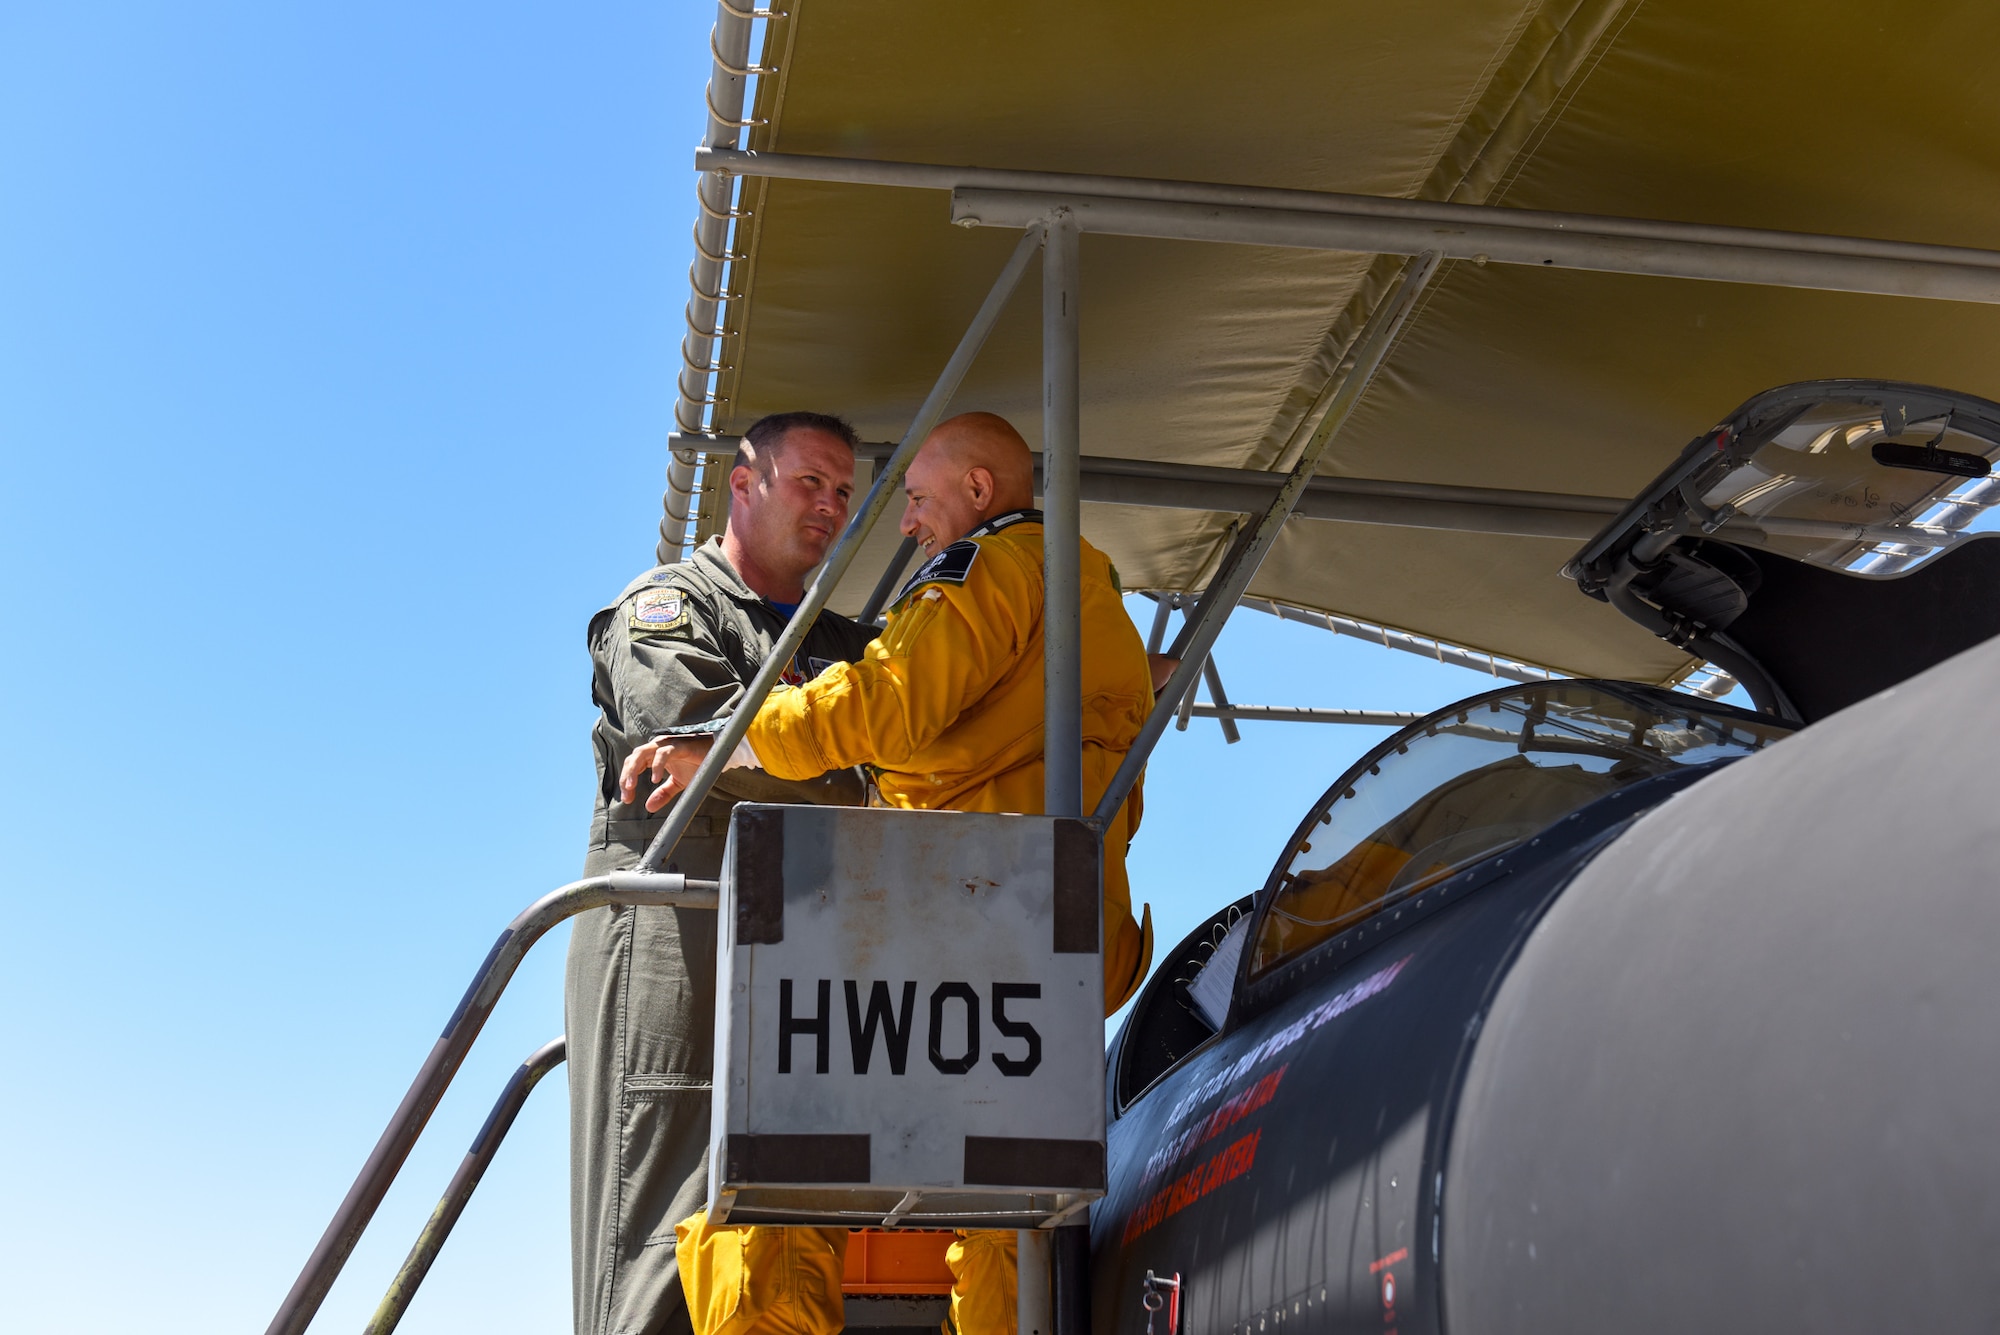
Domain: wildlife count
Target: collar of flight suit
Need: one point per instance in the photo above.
(1024, 515)
(716, 567)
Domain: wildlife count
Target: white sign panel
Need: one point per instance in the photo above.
(910, 1018)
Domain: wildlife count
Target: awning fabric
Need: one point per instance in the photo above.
(1866, 118)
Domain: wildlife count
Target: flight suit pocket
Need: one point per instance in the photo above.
(663, 1156)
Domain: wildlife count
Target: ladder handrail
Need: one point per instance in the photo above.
(386, 1159)
(403, 1288)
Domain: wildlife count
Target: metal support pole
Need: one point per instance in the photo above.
(1369, 718)
(403, 1288)
(1359, 500)
(1163, 603)
(1220, 700)
(830, 573)
(1244, 536)
(1493, 240)
(1471, 659)
(386, 1159)
(1326, 417)
(885, 587)
(1062, 633)
(1036, 1299)
(1262, 215)
(1062, 617)
(1072, 1279)
(1186, 710)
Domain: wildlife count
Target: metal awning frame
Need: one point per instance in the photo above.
(1368, 224)
(1351, 500)
(1266, 216)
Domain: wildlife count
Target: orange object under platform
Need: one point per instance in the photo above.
(897, 1263)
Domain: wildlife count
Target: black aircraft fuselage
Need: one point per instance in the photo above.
(1289, 1168)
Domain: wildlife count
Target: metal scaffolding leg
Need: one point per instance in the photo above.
(1220, 700)
(1035, 1284)
(1326, 416)
(403, 1288)
(1062, 639)
(885, 587)
(879, 494)
(1072, 1279)
(1163, 603)
(1062, 671)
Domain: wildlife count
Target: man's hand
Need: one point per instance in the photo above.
(1160, 665)
(671, 762)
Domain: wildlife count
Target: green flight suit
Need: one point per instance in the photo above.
(678, 646)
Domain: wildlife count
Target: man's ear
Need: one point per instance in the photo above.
(979, 487)
(742, 481)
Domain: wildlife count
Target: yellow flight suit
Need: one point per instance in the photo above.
(761, 1281)
(946, 709)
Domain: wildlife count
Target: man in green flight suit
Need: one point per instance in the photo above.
(677, 647)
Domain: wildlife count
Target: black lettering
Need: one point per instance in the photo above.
(961, 1064)
(817, 1026)
(1002, 994)
(895, 1031)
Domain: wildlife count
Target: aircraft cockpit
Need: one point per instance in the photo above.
(1474, 781)
(1438, 798)
(1825, 541)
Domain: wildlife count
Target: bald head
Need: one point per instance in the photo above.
(971, 467)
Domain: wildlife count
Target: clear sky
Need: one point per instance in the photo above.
(336, 354)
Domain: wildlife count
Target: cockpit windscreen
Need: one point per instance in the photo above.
(1468, 783)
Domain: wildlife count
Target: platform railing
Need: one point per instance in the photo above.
(393, 1149)
(403, 1288)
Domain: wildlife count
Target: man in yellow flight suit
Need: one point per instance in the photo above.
(945, 710)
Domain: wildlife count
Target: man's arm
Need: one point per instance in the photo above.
(670, 760)
(943, 649)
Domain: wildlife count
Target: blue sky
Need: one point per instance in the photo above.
(336, 351)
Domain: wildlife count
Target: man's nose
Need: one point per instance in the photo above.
(909, 524)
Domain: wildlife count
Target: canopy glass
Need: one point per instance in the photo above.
(1473, 781)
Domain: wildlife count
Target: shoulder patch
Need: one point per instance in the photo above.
(950, 566)
(659, 611)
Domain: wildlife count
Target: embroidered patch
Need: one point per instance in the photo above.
(657, 611)
(660, 576)
(795, 675)
(949, 566)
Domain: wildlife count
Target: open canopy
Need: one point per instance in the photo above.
(1863, 120)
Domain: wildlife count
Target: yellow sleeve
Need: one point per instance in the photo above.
(941, 651)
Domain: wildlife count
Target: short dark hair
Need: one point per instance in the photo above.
(768, 433)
